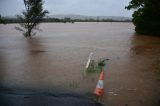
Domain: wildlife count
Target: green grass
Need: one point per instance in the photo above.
(96, 66)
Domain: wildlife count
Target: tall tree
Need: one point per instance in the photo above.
(146, 16)
(31, 17)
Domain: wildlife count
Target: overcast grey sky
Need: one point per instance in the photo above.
(81, 7)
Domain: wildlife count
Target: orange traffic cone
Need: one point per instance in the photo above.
(99, 91)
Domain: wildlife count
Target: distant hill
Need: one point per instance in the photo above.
(84, 17)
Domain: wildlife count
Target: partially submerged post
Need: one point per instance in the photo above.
(88, 62)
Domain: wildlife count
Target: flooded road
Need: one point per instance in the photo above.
(56, 59)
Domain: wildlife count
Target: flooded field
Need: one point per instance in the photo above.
(56, 59)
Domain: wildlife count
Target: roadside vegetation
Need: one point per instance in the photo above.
(146, 16)
(96, 66)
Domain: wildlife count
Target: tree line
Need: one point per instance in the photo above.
(7, 20)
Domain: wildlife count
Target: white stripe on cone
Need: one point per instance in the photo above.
(100, 84)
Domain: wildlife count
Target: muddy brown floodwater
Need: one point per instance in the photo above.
(56, 59)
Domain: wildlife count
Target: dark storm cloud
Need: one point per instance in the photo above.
(83, 7)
